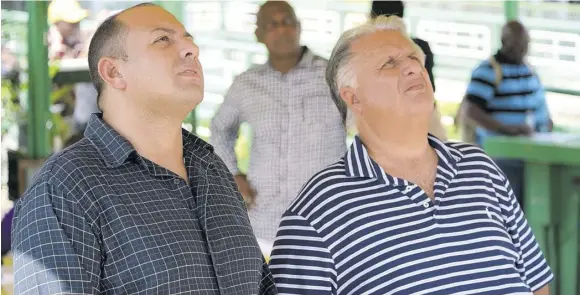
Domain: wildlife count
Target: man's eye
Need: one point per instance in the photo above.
(389, 63)
(162, 39)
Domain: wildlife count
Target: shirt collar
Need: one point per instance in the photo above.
(503, 59)
(307, 57)
(115, 149)
(306, 60)
(359, 164)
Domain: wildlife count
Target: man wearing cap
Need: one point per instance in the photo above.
(67, 41)
(65, 37)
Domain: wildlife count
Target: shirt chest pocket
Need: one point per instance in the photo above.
(319, 110)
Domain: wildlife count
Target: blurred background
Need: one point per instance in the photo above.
(45, 86)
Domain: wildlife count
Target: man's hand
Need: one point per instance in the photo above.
(246, 190)
(543, 291)
(517, 130)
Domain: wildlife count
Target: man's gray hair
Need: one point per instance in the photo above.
(339, 71)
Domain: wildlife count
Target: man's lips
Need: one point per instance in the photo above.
(193, 73)
(417, 84)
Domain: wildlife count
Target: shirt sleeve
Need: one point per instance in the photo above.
(481, 87)
(54, 249)
(225, 126)
(301, 262)
(532, 264)
(267, 285)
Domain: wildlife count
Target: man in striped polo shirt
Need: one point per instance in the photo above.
(505, 97)
(402, 212)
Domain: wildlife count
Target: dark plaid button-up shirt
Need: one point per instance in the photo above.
(100, 219)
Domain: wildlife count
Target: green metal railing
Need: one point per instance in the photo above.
(39, 81)
(511, 9)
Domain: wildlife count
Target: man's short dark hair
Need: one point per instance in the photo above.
(108, 40)
(387, 8)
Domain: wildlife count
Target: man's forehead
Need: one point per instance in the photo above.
(381, 41)
(272, 8)
(514, 29)
(149, 17)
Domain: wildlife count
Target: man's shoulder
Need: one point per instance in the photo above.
(484, 65)
(252, 72)
(485, 71)
(319, 188)
(68, 166)
(319, 61)
(472, 155)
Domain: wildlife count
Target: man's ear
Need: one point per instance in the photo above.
(110, 72)
(349, 96)
(259, 35)
(298, 28)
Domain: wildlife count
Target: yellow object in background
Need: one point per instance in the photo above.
(69, 11)
(7, 276)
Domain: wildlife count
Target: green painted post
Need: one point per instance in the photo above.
(177, 8)
(39, 81)
(511, 9)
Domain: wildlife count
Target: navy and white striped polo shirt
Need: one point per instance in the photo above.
(519, 93)
(356, 230)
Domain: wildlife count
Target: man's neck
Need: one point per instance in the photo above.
(396, 145)
(73, 38)
(506, 57)
(158, 139)
(284, 64)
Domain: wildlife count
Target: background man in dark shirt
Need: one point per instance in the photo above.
(138, 206)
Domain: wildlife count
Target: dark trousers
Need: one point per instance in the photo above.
(514, 170)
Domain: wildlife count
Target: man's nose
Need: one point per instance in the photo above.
(189, 51)
(410, 67)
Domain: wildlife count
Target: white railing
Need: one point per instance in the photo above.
(556, 49)
(319, 26)
(203, 17)
(456, 39)
(240, 16)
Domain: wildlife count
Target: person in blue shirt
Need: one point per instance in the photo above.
(506, 97)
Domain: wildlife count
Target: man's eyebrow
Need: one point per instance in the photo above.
(171, 31)
(166, 30)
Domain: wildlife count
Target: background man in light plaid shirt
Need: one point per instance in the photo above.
(296, 128)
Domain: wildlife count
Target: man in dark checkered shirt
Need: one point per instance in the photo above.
(138, 206)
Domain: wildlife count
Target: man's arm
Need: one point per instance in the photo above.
(225, 126)
(267, 285)
(55, 251)
(300, 261)
(531, 264)
(483, 119)
(544, 120)
(543, 291)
